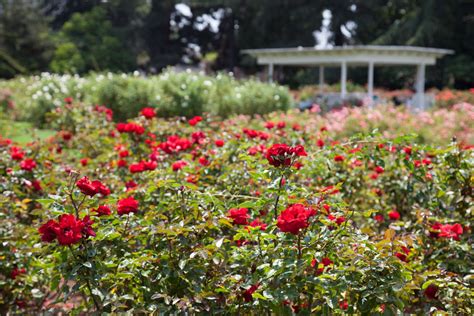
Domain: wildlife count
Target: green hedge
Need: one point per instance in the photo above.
(174, 94)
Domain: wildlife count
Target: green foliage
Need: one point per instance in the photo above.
(67, 59)
(25, 45)
(175, 94)
(87, 41)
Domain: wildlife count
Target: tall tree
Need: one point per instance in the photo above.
(25, 44)
(87, 42)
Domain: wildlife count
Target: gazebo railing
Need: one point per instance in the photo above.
(331, 100)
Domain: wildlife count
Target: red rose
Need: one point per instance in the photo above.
(175, 144)
(338, 220)
(36, 184)
(16, 153)
(48, 230)
(86, 186)
(379, 218)
(281, 125)
(203, 161)
(320, 142)
(219, 142)
(121, 163)
(195, 120)
(294, 218)
(343, 305)
(137, 167)
(283, 155)
(84, 162)
(69, 229)
(131, 185)
(127, 205)
(102, 210)
(379, 169)
(150, 165)
(248, 292)
(68, 100)
(28, 164)
(258, 223)
(123, 153)
(394, 215)
(130, 128)
(87, 230)
(407, 150)
(269, 125)
(239, 216)
(178, 165)
(451, 231)
(148, 113)
(401, 256)
(16, 272)
(431, 292)
(100, 188)
(339, 158)
(66, 135)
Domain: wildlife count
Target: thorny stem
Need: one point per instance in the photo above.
(299, 247)
(278, 197)
(88, 284)
(84, 243)
(126, 223)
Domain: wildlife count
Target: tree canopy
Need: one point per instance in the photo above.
(125, 35)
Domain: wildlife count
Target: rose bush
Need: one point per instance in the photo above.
(277, 214)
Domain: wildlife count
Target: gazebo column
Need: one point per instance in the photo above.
(420, 86)
(270, 73)
(343, 79)
(321, 78)
(370, 83)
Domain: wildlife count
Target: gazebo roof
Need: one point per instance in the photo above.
(354, 55)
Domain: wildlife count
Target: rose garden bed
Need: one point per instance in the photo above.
(283, 214)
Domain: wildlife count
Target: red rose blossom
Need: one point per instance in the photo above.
(195, 120)
(239, 216)
(431, 292)
(248, 292)
(178, 165)
(69, 229)
(219, 142)
(86, 186)
(127, 205)
(16, 272)
(148, 113)
(258, 223)
(102, 210)
(394, 215)
(28, 164)
(282, 155)
(295, 218)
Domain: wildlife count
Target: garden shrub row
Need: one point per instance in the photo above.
(176, 94)
(266, 215)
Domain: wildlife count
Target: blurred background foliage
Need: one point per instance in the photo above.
(70, 36)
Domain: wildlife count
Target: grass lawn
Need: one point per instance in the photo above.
(23, 132)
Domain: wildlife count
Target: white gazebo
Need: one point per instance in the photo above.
(359, 55)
